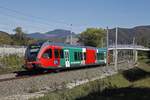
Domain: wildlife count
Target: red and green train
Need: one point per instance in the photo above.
(49, 55)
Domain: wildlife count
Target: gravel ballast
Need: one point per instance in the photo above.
(52, 81)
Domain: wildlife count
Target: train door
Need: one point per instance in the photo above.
(97, 55)
(57, 56)
(66, 55)
(83, 56)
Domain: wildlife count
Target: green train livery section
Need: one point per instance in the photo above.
(101, 56)
(75, 57)
(72, 57)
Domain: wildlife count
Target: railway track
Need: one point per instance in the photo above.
(28, 74)
(13, 78)
(22, 75)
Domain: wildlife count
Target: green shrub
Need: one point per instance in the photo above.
(11, 62)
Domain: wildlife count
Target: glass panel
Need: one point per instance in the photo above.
(84, 56)
(80, 55)
(61, 54)
(101, 56)
(47, 54)
(56, 51)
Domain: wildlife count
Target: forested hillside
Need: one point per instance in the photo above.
(126, 35)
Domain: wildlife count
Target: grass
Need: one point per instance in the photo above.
(11, 63)
(128, 85)
(114, 88)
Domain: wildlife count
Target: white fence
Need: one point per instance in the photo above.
(7, 50)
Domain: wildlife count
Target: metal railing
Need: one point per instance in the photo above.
(136, 47)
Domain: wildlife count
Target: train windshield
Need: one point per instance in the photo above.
(32, 52)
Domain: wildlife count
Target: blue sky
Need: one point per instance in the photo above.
(46, 15)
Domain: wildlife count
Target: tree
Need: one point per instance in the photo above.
(92, 37)
(19, 33)
(5, 38)
(19, 37)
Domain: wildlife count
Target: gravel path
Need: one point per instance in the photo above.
(4, 76)
(21, 87)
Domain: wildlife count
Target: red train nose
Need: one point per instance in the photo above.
(29, 65)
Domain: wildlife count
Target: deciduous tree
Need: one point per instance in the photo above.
(92, 37)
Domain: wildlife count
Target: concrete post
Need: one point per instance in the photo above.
(71, 34)
(107, 44)
(114, 52)
(136, 56)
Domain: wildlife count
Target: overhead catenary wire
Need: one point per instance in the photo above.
(40, 20)
(19, 22)
(24, 19)
(31, 16)
(20, 19)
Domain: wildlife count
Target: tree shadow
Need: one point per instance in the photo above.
(32, 73)
(148, 62)
(128, 93)
(135, 74)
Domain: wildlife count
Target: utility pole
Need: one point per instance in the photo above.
(107, 40)
(135, 52)
(116, 52)
(133, 48)
(71, 34)
(102, 44)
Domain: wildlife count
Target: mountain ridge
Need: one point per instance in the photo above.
(125, 35)
(57, 33)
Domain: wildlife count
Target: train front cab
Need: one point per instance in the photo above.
(60, 57)
(49, 57)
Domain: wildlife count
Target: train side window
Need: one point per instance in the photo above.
(97, 55)
(78, 55)
(81, 56)
(47, 54)
(75, 56)
(61, 54)
(84, 56)
(56, 52)
(101, 56)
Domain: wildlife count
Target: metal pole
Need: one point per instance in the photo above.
(116, 53)
(71, 34)
(107, 39)
(134, 49)
(102, 42)
(136, 56)
(135, 52)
